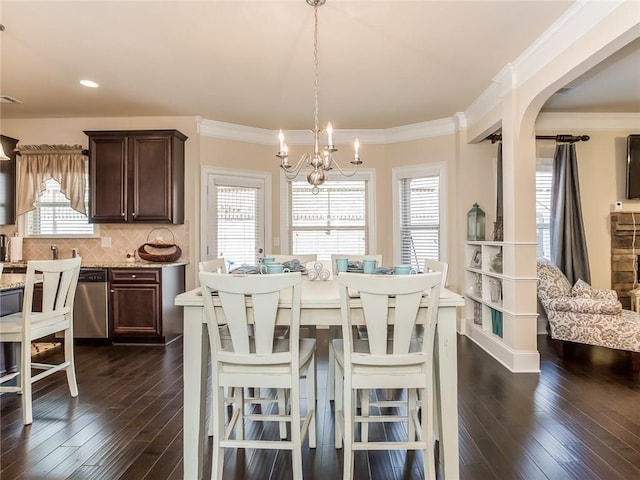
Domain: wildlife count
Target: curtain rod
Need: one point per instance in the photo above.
(497, 137)
(84, 152)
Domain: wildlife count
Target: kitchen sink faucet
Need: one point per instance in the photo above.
(54, 251)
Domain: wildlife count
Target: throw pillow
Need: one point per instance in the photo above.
(581, 289)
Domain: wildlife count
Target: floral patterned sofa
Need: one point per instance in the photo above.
(579, 313)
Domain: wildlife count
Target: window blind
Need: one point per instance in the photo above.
(53, 215)
(333, 221)
(419, 219)
(543, 207)
(238, 223)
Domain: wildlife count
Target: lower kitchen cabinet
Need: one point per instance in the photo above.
(141, 304)
(10, 302)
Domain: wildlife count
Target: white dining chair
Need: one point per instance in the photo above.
(259, 360)
(303, 258)
(354, 258)
(214, 265)
(389, 358)
(437, 266)
(59, 282)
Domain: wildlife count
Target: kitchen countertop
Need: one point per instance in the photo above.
(12, 280)
(98, 264)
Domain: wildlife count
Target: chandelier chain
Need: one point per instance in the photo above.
(321, 161)
(315, 65)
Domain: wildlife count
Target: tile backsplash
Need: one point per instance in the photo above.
(124, 238)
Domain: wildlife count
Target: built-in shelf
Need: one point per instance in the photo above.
(493, 280)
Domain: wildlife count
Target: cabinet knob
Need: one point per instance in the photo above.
(134, 214)
(133, 276)
(122, 214)
(112, 291)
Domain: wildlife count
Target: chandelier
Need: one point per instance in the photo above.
(320, 161)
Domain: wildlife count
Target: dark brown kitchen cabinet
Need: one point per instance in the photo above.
(136, 176)
(141, 304)
(10, 302)
(8, 183)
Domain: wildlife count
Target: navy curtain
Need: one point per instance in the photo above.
(568, 241)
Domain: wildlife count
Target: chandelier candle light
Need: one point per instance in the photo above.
(320, 161)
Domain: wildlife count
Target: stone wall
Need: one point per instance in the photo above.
(625, 248)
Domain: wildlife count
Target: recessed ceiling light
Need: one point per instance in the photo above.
(89, 83)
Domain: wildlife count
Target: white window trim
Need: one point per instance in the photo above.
(368, 174)
(398, 173)
(263, 177)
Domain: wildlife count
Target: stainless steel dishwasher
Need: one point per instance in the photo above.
(90, 308)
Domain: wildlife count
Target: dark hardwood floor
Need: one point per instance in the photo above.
(579, 419)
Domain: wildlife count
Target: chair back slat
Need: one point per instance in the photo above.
(406, 315)
(375, 308)
(235, 311)
(265, 311)
(50, 283)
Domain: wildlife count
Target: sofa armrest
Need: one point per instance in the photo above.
(585, 305)
(604, 293)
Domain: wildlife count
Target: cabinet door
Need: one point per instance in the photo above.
(8, 183)
(10, 302)
(107, 179)
(151, 172)
(135, 310)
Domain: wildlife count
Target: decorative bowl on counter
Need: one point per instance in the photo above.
(159, 247)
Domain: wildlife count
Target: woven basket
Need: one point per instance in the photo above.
(160, 256)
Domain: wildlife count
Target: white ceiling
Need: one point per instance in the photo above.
(382, 63)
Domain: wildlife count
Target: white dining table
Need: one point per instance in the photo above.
(320, 307)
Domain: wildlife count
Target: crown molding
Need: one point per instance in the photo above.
(263, 136)
(577, 123)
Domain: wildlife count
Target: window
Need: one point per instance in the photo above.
(235, 218)
(336, 220)
(418, 209)
(543, 206)
(54, 217)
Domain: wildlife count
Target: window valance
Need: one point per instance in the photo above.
(64, 163)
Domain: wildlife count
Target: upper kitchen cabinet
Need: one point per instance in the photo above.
(8, 182)
(136, 176)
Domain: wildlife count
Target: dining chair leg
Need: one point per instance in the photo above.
(312, 400)
(331, 374)
(19, 367)
(296, 436)
(239, 401)
(427, 433)
(25, 374)
(364, 413)
(71, 368)
(338, 406)
(334, 332)
(218, 452)
(282, 410)
(412, 406)
(349, 426)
